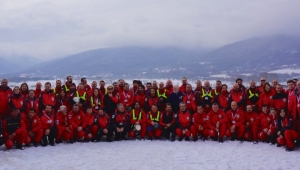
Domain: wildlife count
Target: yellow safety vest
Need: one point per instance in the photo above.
(54, 90)
(82, 97)
(161, 95)
(216, 93)
(157, 117)
(252, 95)
(204, 94)
(133, 115)
(66, 88)
(93, 104)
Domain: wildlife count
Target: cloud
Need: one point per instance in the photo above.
(49, 29)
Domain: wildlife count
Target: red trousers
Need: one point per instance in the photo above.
(290, 136)
(180, 134)
(195, 132)
(19, 138)
(36, 138)
(142, 132)
(240, 131)
(93, 130)
(156, 132)
(63, 135)
(222, 130)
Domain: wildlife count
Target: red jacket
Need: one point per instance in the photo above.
(251, 118)
(127, 98)
(89, 119)
(269, 123)
(104, 121)
(141, 99)
(223, 100)
(4, 96)
(17, 101)
(236, 118)
(47, 98)
(47, 120)
(190, 100)
(32, 103)
(137, 115)
(294, 105)
(279, 101)
(76, 119)
(61, 121)
(214, 117)
(57, 90)
(122, 118)
(33, 124)
(265, 99)
(239, 97)
(182, 88)
(184, 120)
(200, 119)
(169, 90)
(290, 96)
(37, 93)
(149, 101)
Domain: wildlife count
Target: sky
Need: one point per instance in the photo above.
(49, 29)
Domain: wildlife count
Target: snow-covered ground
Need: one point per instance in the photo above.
(156, 155)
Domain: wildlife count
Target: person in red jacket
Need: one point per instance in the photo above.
(199, 87)
(236, 122)
(24, 90)
(5, 92)
(34, 128)
(77, 123)
(16, 101)
(294, 103)
(262, 84)
(94, 86)
(182, 88)
(217, 123)
(167, 122)
(66, 86)
(223, 98)
(31, 102)
(169, 87)
(199, 126)
(150, 100)
(189, 98)
(48, 125)
(90, 129)
(140, 96)
(64, 131)
(138, 120)
(80, 94)
(38, 89)
(252, 95)
(122, 122)
(184, 122)
(135, 85)
(153, 128)
(87, 87)
(290, 93)
(251, 119)
(265, 96)
(127, 97)
(104, 126)
(102, 87)
(279, 99)
(268, 126)
(14, 130)
(61, 100)
(95, 100)
(238, 95)
(47, 97)
(121, 84)
(58, 88)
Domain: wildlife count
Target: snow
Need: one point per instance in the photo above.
(285, 71)
(220, 76)
(152, 155)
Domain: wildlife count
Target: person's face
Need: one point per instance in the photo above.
(94, 85)
(200, 109)
(64, 111)
(233, 106)
(102, 84)
(263, 81)
(110, 90)
(188, 88)
(135, 84)
(218, 84)
(84, 81)
(278, 89)
(137, 106)
(298, 85)
(274, 82)
(148, 86)
(115, 86)
(47, 87)
(236, 86)
(62, 93)
(184, 81)
(58, 84)
(15, 113)
(199, 84)
(121, 108)
(252, 84)
(267, 88)
(282, 113)
(38, 86)
(182, 107)
(121, 83)
(31, 114)
(16, 90)
(161, 85)
(154, 109)
(89, 111)
(75, 109)
(239, 82)
(72, 87)
(140, 89)
(154, 84)
(273, 113)
(48, 109)
(249, 109)
(96, 92)
(81, 87)
(206, 84)
(176, 89)
(152, 92)
(24, 87)
(31, 94)
(126, 87)
(169, 83)
(265, 109)
(168, 108)
(70, 79)
(215, 108)
(4, 83)
(291, 86)
(100, 112)
(224, 88)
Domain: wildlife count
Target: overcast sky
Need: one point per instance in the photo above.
(56, 28)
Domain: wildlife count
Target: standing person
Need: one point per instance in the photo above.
(24, 90)
(104, 126)
(152, 99)
(63, 130)
(175, 98)
(167, 122)
(148, 88)
(294, 104)
(268, 127)
(206, 97)
(137, 118)
(182, 88)
(153, 127)
(80, 94)
(169, 87)
(184, 122)
(189, 98)
(238, 95)
(198, 88)
(121, 84)
(58, 88)
(95, 100)
(109, 102)
(34, 128)
(38, 89)
(47, 97)
(94, 86)
(68, 83)
(14, 130)
(48, 125)
(102, 87)
(218, 87)
(265, 97)
(290, 93)
(252, 95)
(90, 131)
(5, 92)
(262, 84)
(16, 101)
(154, 85)
(122, 122)
(31, 102)
(135, 86)
(279, 99)
(217, 123)
(199, 126)
(61, 100)
(140, 96)
(127, 97)
(162, 96)
(86, 87)
(223, 98)
(239, 81)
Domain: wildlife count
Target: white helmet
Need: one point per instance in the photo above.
(137, 127)
(76, 99)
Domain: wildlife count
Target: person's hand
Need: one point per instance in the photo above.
(110, 94)
(68, 129)
(137, 123)
(30, 133)
(79, 129)
(47, 132)
(105, 131)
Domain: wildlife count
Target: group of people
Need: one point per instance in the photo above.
(82, 113)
